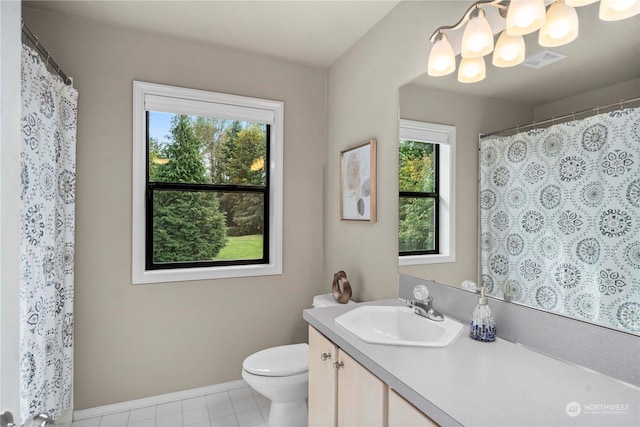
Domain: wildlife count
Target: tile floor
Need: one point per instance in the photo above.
(241, 407)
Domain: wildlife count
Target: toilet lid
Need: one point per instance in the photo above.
(279, 361)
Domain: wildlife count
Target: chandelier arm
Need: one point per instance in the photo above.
(501, 4)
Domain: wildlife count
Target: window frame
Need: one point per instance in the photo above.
(152, 186)
(434, 195)
(193, 102)
(444, 136)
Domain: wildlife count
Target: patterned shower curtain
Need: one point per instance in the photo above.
(560, 218)
(48, 161)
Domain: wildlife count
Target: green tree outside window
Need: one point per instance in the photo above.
(417, 229)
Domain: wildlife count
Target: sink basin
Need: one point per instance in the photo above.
(396, 325)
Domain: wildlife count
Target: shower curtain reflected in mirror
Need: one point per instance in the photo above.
(47, 209)
(560, 218)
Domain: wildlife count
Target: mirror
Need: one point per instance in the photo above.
(602, 66)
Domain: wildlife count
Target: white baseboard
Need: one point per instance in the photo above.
(99, 411)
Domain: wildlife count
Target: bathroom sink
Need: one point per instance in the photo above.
(396, 325)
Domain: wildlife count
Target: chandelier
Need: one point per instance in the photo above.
(556, 21)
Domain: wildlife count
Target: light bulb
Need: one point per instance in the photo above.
(615, 10)
(561, 26)
(471, 70)
(442, 60)
(477, 39)
(525, 16)
(509, 51)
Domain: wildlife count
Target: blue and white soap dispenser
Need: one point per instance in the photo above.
(483, 327)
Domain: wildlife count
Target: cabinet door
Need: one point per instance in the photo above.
(322, 380)
(404, 414)
(362, 397)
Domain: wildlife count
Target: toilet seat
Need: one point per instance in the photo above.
(282, 361)
(281, 374)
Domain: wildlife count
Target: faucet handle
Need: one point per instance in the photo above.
(421, 293)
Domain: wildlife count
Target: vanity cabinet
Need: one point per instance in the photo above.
(342, 392)
(404, 414)
(323, 380)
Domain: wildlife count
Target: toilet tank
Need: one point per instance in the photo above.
(326, 300)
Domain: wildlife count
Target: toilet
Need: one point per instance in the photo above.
(281, 375)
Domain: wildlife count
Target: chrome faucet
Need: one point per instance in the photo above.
(424, 304)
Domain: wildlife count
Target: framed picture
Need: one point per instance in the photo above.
(358, 182)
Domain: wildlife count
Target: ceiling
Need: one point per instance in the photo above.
(310, 32)
(318, 32)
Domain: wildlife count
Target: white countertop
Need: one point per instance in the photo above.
(472, 383)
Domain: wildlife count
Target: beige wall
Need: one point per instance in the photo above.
(364, 103)
(143, 340)
(471, 116)
(604, 96)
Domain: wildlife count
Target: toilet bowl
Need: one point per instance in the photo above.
(281, 375)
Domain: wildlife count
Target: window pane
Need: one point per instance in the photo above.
(417, 166)
(417, 230)
(206, 226)
(245, 225)
(197, 150)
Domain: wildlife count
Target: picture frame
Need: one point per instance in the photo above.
(358, 182)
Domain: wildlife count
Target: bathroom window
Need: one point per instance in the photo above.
(418, 183)
(207, 185)
(426, 211)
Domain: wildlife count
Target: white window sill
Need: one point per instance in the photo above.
(426, 259)
(205, 273)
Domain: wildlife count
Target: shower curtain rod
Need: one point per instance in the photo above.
(44, 52)
(573, 115)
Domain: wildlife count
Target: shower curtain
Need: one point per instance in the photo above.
(560, 218)
(47, 239)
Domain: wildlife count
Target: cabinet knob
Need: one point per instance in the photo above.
(325, 356)
(338, 365)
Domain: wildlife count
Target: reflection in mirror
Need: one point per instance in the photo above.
(417, 228)
(602, 67)
(560, 218)
(425, 182)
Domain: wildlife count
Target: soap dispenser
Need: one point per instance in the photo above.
(483, 327)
